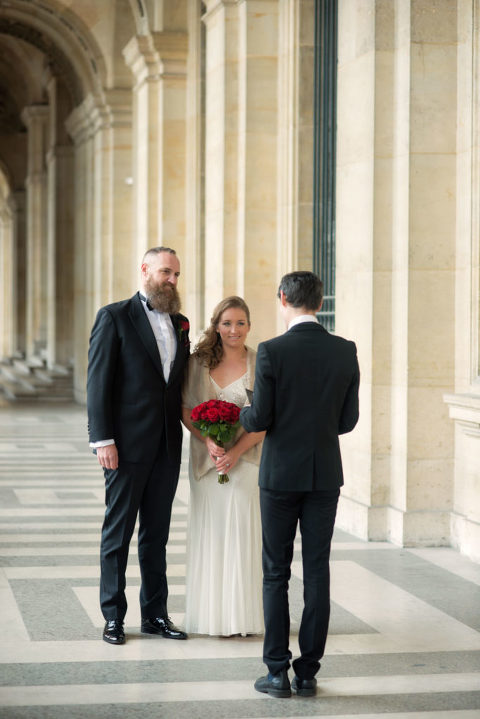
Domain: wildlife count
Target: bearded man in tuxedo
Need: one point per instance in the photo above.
(138, 351)
(306, 394)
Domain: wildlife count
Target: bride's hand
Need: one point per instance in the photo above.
(213, 449)
(226, 463)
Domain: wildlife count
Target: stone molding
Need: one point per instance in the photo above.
(94, 114)
(32, 112)
(158, 55)
(213, 6)
(465, 410)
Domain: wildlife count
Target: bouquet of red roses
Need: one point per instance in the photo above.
(219, 420)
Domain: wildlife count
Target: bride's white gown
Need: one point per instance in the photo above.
(224, 540)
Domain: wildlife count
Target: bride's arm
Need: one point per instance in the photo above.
(232, 455)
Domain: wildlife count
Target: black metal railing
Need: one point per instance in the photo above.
(324, 175)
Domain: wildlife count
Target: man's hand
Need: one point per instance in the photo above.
(108, 456)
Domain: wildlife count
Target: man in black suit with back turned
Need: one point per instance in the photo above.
(306, 394)
(138, 352)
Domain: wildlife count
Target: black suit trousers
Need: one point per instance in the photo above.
(281, 513)
(146, 491)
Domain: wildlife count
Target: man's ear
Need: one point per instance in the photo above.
(320, 305)
(283, 299)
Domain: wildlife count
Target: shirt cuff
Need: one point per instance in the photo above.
(102, 443)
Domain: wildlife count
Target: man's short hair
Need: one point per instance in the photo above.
(302, 289)
(157, 251)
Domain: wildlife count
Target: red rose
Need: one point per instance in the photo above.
(224, 413)
(195, 416)
(212, 415)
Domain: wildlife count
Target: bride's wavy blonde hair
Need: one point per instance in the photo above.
(209, 349)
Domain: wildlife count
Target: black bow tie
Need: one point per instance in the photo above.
(149, 306)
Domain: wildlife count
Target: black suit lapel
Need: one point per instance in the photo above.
(145, 332)
(177, 362)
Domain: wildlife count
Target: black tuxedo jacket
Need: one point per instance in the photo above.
(306, 394)
(128, 399)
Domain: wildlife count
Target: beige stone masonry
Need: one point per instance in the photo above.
(241, 156)
(158, 63)
(395, 262)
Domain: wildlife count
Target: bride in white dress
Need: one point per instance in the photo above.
(224, 539)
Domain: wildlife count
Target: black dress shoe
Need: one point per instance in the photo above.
(113, 632)
(163, 626)
(304, 687)
(277, 685)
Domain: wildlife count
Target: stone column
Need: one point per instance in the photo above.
(221, 151)
(19, 276)
(241, 155)
(80, 128)
(35, 118)
(464, 404)
(395, 269)
(7, 265)
(60, 239)
(158, 63)
(193, 264)
(295, 135)
(115, 267)
(105, 267)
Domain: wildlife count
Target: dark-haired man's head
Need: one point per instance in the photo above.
(302, 289)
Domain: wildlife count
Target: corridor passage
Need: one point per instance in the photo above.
(405, 630)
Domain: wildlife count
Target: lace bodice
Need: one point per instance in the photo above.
(233, 392)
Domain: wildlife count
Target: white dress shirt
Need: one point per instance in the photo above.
(164, 332)
(302, 318)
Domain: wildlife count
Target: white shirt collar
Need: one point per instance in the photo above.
(302, 318)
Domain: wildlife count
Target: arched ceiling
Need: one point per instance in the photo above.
(70, 50)
(21, 81)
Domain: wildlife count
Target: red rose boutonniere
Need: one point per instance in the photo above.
(219, 420)
(182, 331)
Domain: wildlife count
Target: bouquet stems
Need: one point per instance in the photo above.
(222, 478)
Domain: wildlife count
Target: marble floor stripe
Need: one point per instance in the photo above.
(454, 714)
(412, 621)
(90, 511)
(450, 560)
(79, 572)
(233, 690)
(17, 527)
(58, 538)
(66, 551)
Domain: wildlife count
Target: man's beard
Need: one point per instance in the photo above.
(164, 297)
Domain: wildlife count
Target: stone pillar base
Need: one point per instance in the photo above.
(405, 529)
(465, 536)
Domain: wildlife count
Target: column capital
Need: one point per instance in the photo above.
(80, 122)
(114, 109)
(213, 6)
(465, 410)
(30, 113)
(159, 54)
